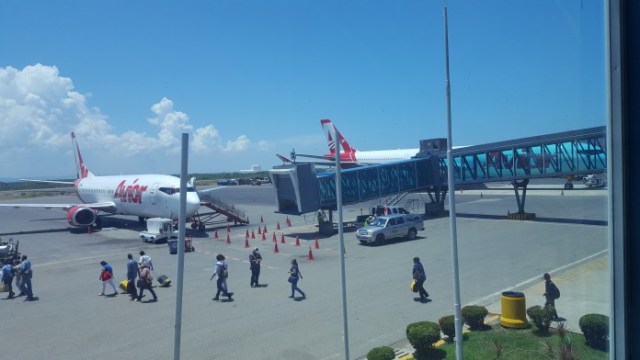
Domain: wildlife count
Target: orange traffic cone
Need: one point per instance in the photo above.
(247, 234)
(282, 240)
(88, 229)
(297, 240)
(278, 226)
(253, 235)
(316, 244)
(288, 222)
(261, 219)
(246, 242)
(259, 231)
(228, 240)
(265, 228)
(275, 249)
(264, 237)
(310, 256)
(215, 235)
(274, 238)
(228, 230)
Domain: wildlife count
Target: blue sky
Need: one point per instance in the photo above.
(248, 79)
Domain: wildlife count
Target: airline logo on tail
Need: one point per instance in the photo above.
(81, 168)
(330, 132)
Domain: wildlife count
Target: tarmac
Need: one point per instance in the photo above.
(584, 289)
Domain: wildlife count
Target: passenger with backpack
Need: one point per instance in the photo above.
(551, 293)
(222, 273)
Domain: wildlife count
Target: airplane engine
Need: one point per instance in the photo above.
(81, 216)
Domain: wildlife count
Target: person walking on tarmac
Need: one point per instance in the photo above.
(222, 273)
(146, 282)
(132, 274)
(27, 274)
(7, 279)
(147, 259)
(551, 293)
(254, 264)
(294, 276)
(106, 276)
(420, 277)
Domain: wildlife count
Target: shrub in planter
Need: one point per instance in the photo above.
(541, 317)
(474, 315)
(595, 328)
(422, 335)
(381, 353)
(448, 326)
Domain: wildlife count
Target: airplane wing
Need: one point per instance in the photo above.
(109, 207)
(284, 159)
(49, 181)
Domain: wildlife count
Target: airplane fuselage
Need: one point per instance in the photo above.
(148, 195)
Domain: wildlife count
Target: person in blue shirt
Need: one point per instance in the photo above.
(132, 274)
(27, 274)
(106, 276)
(7, 279)
(420, 277)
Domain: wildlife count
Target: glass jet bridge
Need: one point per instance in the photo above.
(299, 189)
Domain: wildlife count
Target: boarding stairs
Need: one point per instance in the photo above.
(220, 208)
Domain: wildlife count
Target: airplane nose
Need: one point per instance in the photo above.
(193, 202)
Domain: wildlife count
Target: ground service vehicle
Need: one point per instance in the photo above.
(389, 227)
(595, 180)
(158, 230)
(9, 251)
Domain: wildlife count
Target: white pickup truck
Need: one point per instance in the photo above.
(389, 227)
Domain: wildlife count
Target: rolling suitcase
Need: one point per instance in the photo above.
(164, 280)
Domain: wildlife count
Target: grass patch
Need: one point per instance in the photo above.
(525, 344)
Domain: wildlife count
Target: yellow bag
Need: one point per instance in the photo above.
(413, 286)
(123, 285)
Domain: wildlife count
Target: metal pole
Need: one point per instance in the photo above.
(452, 200)
(343, 278)
(181, 231)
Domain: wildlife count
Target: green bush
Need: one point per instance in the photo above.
(422, 335)
(381, 353)
(541, 317)
(474, 315)
(595, 328)
(448, 326)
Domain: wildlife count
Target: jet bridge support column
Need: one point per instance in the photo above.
(521, 214)
(436, 206)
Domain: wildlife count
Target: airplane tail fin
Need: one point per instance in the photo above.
(330, 131)
(81, 168)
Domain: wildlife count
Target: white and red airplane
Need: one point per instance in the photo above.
(145, 196)
(349, 156)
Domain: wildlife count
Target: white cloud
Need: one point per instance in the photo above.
(240, 144)
(39, 108)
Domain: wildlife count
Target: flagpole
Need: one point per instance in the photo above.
(452, 201)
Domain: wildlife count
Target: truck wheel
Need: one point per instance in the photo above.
(412, 234)
(379, 239)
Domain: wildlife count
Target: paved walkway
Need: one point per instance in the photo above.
(584, 288)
